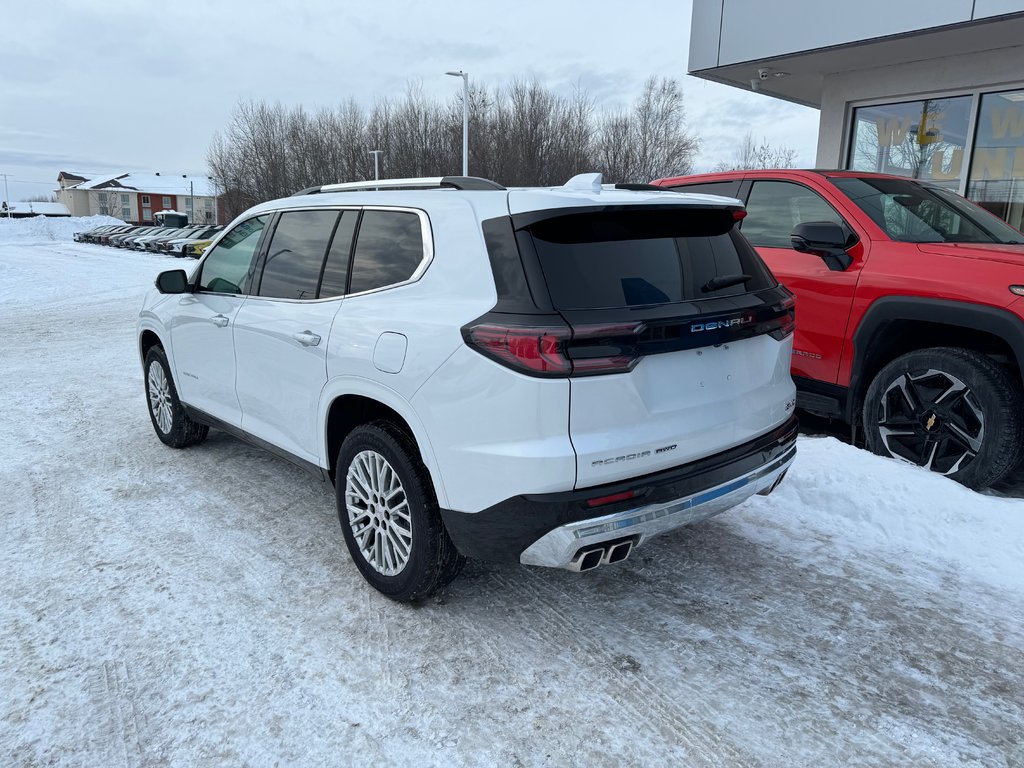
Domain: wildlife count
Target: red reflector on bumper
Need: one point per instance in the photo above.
(600, 500)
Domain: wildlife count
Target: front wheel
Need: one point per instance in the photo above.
(950, 410)
(389, 514)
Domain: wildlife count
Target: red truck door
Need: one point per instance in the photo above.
(824, 297)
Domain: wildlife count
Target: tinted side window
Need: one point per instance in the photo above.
(226, 269)
(295, 257)
(723, 188)
(774, 208)
(389, 247)
(336, 269)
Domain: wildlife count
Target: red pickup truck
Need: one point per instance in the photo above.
(910, 310)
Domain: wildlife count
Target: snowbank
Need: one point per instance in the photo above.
(862, 502)
(41, 229)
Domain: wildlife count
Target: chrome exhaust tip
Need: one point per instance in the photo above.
(616, 553)
(587, 559)
(774, 485)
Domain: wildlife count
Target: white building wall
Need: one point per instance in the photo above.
(987, 70)
(77, 202)
(82, 202)
(114, 204)
(725, 32)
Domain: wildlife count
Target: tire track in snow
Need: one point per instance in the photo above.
(375, 639)
(637, 692)
(112, 689)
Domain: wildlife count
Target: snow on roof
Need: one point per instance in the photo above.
(99, 182)
(40, 209)
(153, 183)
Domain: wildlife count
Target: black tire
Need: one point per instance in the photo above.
(432, 559)
(179, 430)
(916, 410)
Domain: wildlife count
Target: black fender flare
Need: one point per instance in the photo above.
(980, 317)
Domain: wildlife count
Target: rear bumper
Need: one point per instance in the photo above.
(552, 529)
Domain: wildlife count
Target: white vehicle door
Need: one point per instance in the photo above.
(201, 331)
(282, 328)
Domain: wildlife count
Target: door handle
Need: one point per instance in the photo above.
(219, 320)
(306, 338)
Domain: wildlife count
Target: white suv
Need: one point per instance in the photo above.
(542, 375)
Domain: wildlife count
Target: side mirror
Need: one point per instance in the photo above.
(172, 281)
(824, 239)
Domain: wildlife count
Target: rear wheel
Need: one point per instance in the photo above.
(172, 424)
(950, 410)
(389, 514)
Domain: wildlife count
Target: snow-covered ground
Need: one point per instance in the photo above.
(198, 608)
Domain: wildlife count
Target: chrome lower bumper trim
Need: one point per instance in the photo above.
(558, 548)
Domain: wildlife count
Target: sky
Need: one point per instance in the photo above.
(95, 87)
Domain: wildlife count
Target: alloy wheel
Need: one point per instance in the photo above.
(160, 398)
(378, 513)
(931, 419)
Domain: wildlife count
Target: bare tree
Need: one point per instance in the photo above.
(750, 155)
(651, 140)
(520, 134)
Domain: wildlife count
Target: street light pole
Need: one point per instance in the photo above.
(465, 118)
(376, 168)
(7, 196)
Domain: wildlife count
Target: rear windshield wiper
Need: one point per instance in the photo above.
(725, 281)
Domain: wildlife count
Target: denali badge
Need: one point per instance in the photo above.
(713, 324)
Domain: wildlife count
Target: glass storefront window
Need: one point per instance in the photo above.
(996, 182)
(922, 139)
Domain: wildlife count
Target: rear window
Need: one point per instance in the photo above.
(640, 258)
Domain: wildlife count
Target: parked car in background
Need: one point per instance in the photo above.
(179, 246)
(118, 240)
(105, 238)
(88, 235)
(546, 376)
(911, 310)
(137, 242)
(198, 248)
(155, 243)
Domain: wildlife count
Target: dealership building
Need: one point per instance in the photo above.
(932, 91)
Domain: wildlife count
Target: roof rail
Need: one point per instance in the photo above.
(641, 187)
(472, 183)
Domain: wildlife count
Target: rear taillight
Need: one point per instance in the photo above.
(605, 348)
(783, 325)
(557, 350)
(537, 350)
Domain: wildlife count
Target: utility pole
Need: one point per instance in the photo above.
(7, 197)
(465, 118)
(376, 168)
(191, 200)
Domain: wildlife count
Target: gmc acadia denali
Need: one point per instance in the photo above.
(549, 376)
